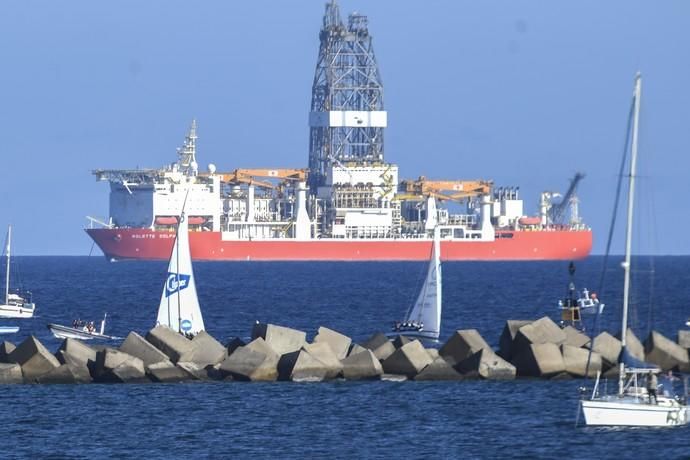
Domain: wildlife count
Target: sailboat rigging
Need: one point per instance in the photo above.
(423, 319)
(634, 405)
(16, 304)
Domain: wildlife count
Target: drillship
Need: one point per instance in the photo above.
(348, 205)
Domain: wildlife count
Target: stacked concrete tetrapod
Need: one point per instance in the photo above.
(536, 349)
(408, 360)
(76, 364)
(34, 359)
(472, 356)
(665, 353)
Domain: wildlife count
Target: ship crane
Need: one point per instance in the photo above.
(554, 213)
(249, 176)
(445, 189)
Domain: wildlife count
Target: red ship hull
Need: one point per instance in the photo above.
(148, 244)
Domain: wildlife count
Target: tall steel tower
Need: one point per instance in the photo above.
(347, 117)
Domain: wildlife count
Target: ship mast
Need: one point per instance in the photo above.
(628, 232)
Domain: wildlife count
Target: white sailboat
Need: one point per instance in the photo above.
(423, 319)
(81, 330)
(179, 307)
(16, 305)
(632, 405)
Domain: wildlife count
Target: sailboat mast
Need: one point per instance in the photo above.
(7, 269)
(628, 233)
(437, 269)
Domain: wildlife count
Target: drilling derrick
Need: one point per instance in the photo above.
(347, 116)
(354, 188)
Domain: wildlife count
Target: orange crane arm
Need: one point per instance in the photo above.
(458, 189)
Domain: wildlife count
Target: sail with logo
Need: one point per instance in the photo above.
(179, 308)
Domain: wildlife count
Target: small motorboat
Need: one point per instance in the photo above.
(573, 306)
(81, 330)
(9, 329)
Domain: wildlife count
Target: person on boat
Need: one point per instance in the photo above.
(396, 326)
(652, 383)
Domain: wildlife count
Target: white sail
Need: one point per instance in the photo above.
(427, 309)
(179, 308)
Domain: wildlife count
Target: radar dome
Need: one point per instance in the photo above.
(211, 168)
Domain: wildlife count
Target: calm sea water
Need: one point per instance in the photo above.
(521, 419)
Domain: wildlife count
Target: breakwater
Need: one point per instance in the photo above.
(527, 349)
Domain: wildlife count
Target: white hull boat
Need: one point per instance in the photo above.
(15, 305)
(635, 405)
(634, 411)
(9, 329)
(423, 320)
(81, 333)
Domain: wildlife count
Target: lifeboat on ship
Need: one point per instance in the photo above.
(529, 221)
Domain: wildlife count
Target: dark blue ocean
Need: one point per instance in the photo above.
(473, 419)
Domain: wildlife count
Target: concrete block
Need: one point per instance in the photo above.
(281, 339)
(11, 373)
(666, 353)
(439, 369)
(505, 343)
(166, 372)
(130, 371)
(393, 378)
(633, 344)
(608, 347)
(34, 358)
(356, 348)
(67, 373)
(118, 367)
(407, 360)
(207, 350)
(380, 345)
(487, 365)
(175, 346)
(541, 331)
(339, 343)
(539, 360)
(575, 360)
(683, 339)
(400, 340)
(323, 352)
(461, 345)
(575, 338)
(247, 364)
(300, 366)
(196, 371)
(561, 376)
(433, 353)
(362, 366)
(234, 344)
(78, 352)
(138, 346)
(5, 349)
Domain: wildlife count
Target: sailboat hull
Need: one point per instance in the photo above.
(634, 412)
(17, 311)
(415, 334)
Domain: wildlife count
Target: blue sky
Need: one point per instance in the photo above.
(521, 92)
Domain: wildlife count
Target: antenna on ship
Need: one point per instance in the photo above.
(187, 153)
